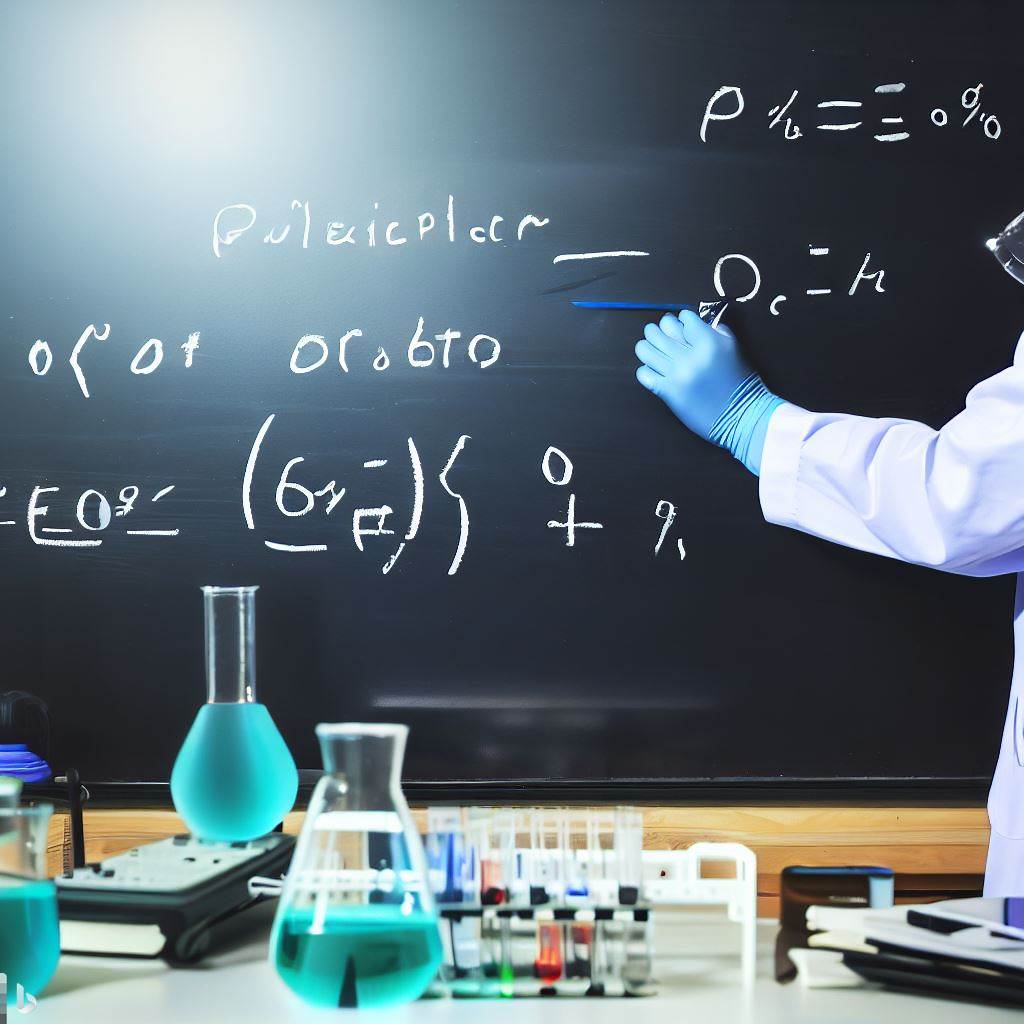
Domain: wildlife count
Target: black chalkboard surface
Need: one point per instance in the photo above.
(357, 161)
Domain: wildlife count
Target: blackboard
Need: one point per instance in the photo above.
(740, 652)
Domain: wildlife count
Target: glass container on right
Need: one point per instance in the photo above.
(356, 924)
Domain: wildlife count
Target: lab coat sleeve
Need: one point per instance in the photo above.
(952, 498)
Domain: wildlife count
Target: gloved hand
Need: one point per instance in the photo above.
(698, 371)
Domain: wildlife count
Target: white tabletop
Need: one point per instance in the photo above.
(242, 987)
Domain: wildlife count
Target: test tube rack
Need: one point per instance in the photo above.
(559, 901)
(545, 951)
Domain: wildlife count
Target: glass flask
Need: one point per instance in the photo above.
(356, 925)
(29, 932)
(234, 778)
(1008, 248)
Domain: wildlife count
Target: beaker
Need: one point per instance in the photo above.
(29, 932)
(234, 778)
(356, 925)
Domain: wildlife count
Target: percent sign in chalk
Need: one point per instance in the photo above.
(971, 102)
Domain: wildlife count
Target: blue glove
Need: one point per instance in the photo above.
(699, 373)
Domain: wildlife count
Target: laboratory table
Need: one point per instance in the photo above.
(696, 984)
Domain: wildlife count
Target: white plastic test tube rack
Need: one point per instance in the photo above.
(583, 859)
(674, 878)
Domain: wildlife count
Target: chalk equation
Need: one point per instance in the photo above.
(881, 114)
(736, 276)
(148, 357)
(740, 267)
(90, 513)
(352, 351)
(236, 220)
(297, 498)
(312, 351)
(58, 518)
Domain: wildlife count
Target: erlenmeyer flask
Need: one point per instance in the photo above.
(29, 934)
(356, 925)
(234, 778)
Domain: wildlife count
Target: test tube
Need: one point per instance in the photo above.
(547, 856)
(602, 881)
(517, 856)
(548, 965)
(603, 877)
(637, 963)
(446, 853)
(451, 861)
(490, 835)
(629, 836)
(548, 844)
(629, 841)
(577, 856)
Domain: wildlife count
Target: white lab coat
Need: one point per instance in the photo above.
(950, 499)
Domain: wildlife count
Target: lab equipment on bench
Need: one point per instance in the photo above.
(965, 948)
(356, 924)
(541, 901)
(804, 887)
(234, 778)
(180, 898)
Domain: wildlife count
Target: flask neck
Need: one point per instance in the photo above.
(230, 614)
(369, 760)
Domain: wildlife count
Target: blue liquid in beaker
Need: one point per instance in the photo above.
(29, 933)
(234, 778)
(368, 955)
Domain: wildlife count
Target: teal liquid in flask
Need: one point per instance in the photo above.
(29, 932)
(234, 778)
(356, 924)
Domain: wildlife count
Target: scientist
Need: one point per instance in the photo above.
(949, 499)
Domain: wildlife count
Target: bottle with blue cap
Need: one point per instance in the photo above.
(24, 737)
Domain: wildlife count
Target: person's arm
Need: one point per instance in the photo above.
(952, 498)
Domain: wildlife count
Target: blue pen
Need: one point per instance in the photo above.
(709, 312)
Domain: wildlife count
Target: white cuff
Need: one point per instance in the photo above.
(780, 464)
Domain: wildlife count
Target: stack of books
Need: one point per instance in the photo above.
(968, 948)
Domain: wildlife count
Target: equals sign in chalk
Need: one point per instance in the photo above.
(709, 312)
